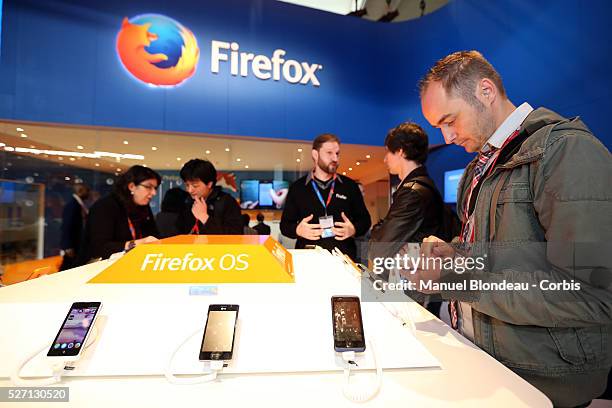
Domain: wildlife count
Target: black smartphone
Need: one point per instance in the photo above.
(72, 335)
(347, 324)
(219, 333)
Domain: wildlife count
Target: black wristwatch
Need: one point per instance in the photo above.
(131, 245)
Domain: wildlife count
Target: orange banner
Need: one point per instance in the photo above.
(203, 259)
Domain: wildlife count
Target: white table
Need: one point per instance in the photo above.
(468, 377)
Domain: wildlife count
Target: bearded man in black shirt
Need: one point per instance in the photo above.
(324, 208)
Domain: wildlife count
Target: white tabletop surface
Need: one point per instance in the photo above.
(468, 376)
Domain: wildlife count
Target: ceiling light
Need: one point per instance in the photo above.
(368, 156)
(19, 129)
(80, 147)
(298, 160)
(238, 159)
(24, 135)
(358, 163)
(344, 173)
(300, 150)
(67, 178)
(350, 169)
(153, 148)
(246, 166)
(72, 159)
(125, 142)
(32, 147)
(227, 149)
(144, 165)
(118, 169)
(178, 159)
(97, 164)
(60, 158)
(208, 152)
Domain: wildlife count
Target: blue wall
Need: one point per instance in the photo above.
(58, 64)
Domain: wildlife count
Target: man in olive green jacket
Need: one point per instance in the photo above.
(538, 201)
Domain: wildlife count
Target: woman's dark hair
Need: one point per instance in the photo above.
(246, 219)
(174, 200)
(135, 174)
(411, 138)
(198, 169)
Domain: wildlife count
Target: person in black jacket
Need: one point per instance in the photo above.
(122, 219)
(324, 208)
(172, 205)
(211, 211)
(262, 228)
(73, 225)
(416, 208)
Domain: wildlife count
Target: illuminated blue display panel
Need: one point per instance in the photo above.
(451, 182)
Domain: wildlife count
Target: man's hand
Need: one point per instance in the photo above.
(435, 247)
(432, 247)
(343, 229)
(200, 210)
(308, 231)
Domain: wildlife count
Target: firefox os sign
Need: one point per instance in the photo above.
(157, 50)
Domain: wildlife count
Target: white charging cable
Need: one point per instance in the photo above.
(59, 367)
(215, 367)
(360, 393)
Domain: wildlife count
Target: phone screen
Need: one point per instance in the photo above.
(218, 341)
(72, 335)
(348, 324)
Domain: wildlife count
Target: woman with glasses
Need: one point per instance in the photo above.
(122, 219)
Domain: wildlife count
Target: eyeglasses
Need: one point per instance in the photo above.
(149, 187)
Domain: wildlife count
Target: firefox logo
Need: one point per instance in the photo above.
(157, 50)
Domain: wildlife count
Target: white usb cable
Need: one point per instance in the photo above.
(360, 393)
(59, 366)
(215, 367)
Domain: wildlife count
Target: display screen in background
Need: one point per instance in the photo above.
(75, 329)
(7, 192)
(347, 322)
(249, 190)
(451, 183)
(265, 199)
(280, 184)
(219, 331)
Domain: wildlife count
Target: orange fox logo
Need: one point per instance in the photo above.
(131, 43)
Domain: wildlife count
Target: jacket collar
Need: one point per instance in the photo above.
(536, 128)
(418, 172)
(216, 191)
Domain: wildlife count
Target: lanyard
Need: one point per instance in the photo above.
(132, 229)
(195, 229)
(468, 236)
(320, 197)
